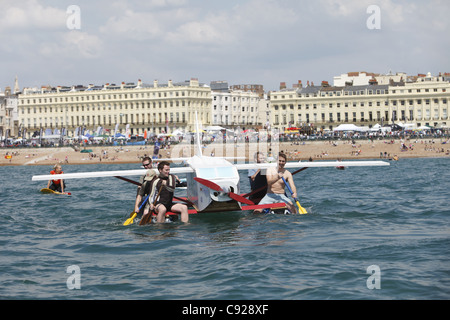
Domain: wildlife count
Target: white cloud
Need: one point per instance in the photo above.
(154, 20)
(72, 45)
(30, 15)
(164, 3)
(211, 30)
(179, 24)
(264, 40)
(132, 25)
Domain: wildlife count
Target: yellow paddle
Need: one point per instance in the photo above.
(133, 215)
(130, 220)
(301, 210)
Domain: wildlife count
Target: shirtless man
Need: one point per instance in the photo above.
(275, 185)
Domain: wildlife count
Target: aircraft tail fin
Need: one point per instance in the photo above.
(198, 145)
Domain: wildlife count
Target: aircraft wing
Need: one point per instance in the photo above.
(180, 160)
(312, 164)
(102, 174)
(180, 170)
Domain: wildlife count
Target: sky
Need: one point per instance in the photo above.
(48, 42)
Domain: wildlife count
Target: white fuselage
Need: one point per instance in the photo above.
(219, 171)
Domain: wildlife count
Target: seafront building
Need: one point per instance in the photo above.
(8, 111)
(238, 106)
(422, 100)
(256, 88)
(129, 107)
(364, 99)
(137, 108)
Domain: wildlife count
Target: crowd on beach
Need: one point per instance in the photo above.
(294, 149)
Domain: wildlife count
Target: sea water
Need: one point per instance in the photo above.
(371, 233)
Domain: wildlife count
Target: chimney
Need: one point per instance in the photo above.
(155, 83)
(193, 82)
(282, 85)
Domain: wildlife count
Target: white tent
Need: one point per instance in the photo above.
(347, 127)
(214, 128)
(376, 128)
(407, 126)
(52, 136)
(178, 133)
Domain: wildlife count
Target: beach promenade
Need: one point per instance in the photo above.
(315, 150)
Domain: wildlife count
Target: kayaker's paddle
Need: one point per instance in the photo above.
(134, 213)
(301, 210)
(146, 217)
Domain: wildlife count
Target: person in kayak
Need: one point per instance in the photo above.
(56, 184)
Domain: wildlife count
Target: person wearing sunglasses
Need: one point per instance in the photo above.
(147, 164)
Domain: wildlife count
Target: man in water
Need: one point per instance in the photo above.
(275, 185)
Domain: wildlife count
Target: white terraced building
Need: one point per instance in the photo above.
(421, 101)
(154, 108)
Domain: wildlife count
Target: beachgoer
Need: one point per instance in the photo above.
(276, 186)
(164, 184)
(56, 185)
(257, 180)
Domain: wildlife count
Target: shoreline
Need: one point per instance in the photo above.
(304, 151)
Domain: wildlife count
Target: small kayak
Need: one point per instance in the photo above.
(46, 190)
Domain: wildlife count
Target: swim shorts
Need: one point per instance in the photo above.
(274, 198)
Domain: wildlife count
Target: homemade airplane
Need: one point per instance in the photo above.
(213, 182)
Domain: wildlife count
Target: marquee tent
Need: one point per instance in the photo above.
(348, 127)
